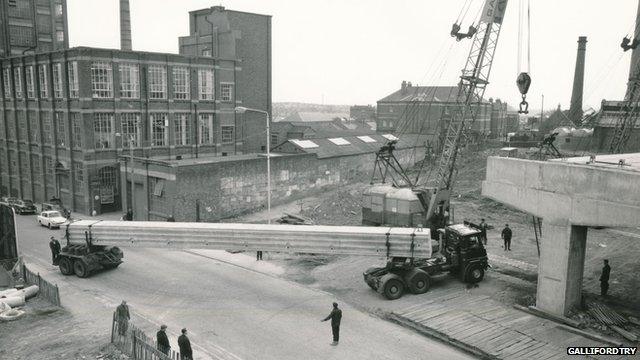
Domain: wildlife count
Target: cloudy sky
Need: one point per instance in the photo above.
(358, 51)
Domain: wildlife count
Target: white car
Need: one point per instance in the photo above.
(51, 219)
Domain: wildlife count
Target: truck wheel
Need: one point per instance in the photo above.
(66, 266)
(80, 268)
(392, 286)
(418, 281)
(475, 274)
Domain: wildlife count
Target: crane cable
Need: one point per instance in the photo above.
(524, 79)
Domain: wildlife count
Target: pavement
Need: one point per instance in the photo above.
(234, 307)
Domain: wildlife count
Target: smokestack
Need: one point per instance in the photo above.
(125, 25)
(575, 111)
(634, 73)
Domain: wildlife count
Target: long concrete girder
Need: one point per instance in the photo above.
(310, 239)
(570, 196)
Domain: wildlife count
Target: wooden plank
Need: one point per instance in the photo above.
(506, 352)
(424, 311)
(504, 337)
(456, 326)
(524, 353)
(482, 337)
(469, 332)
(444, 319)
(626, 334)
(494, 315)
(543, 352)
(479, 332)
(429, 315)
(473, 323)
(516, 338)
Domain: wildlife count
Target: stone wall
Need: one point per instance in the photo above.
(214, 191)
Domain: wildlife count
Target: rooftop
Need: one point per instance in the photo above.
(423, 93)
(350, 145)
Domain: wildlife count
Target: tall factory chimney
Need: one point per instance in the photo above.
(575, 111)
(125, 25)
(634, 71)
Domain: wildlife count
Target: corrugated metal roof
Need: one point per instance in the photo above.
(327, 149)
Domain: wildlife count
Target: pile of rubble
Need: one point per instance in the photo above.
(12, 300)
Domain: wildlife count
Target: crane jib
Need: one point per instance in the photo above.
(493, 11)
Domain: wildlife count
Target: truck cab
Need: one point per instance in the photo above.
(465, 254)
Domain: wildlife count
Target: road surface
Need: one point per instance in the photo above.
(231, 312)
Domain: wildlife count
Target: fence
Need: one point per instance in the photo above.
(136, 344)
(46, 289)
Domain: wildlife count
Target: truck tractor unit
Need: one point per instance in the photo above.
(85, 259)
(459, 251)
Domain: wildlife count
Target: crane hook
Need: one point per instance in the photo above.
(524, 82)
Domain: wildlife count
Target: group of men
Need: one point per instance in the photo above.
(163, 345)
(506, 234)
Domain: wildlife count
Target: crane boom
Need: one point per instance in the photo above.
(313, 239)
(473, 82)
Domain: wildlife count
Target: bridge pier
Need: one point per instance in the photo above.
(570, 196)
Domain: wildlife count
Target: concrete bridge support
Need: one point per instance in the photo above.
(570, 196)
(561, 267)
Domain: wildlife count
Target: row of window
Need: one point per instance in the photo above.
(104, 129)
(46, 123)
(102, 82)
(159, 126)
(40, 73)
(49, 168)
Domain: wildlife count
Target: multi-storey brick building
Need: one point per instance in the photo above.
(229, 34)
(420, 109)
(67, 116)
(32, 25)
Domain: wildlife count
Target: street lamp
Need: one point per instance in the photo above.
(133, 195)
(242, 110)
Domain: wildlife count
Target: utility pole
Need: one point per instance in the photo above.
(541, 112)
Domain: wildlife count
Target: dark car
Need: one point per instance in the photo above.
(24, 207)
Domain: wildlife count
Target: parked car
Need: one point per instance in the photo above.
(51, 219)
(24, 207)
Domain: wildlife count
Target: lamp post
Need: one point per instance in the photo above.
(133, 195)
(242, 110)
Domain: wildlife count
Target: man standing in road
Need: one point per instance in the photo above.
(54, 245)
(335, 316)
(185, 346)
(604, 278)
(163, 340)
(122, 316)
(483, 231)
(506, 236)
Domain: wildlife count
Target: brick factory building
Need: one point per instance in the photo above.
(229, 34)
(32, 25)
(421, 109)
(69, 117)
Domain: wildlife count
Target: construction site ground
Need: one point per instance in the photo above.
(512, 279)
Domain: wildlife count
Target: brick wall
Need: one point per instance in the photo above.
(225, 189)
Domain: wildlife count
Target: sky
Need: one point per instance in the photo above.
(359, 51)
